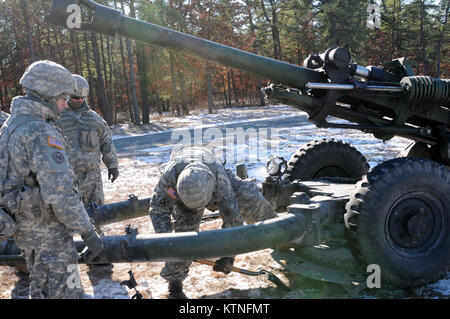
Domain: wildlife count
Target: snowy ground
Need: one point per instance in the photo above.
(139, 173)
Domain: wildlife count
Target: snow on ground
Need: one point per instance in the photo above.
(139, 174)
(201, 118)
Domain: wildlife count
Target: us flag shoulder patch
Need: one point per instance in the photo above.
(52, 141)
(172, 193)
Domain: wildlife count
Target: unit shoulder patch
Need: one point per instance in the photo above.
(58, 157)
(53, 141)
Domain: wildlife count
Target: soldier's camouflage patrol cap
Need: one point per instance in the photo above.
(192, 154)
(48, 79)
(195, 185)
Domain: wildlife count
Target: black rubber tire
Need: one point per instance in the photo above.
(326, 158)
(399, 218)
(416, 149)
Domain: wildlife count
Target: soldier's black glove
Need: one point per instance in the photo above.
(113, 173)
(224, 264)
(94, 245)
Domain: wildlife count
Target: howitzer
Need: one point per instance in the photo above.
(387, 101)
(396, 216)
(177, 246)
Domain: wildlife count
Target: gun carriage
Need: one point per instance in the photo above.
(338, 216)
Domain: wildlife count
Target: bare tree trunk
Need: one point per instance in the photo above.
(135, 119)
(184, 104)
(118, 98)
(255, 48)
(143, 82)
(124, 69)
(74, 51)
(49, 46)
(248, 89)
(59, 46)
(133, 82)
(142, 73)
(105, 70)
(229, 88)
(88, 66)
(224, 92)
(174, 83)
(39, 42)
(77, 49)
(102, 97)
(422, 37)
(274, 27)
(441, 36)
(235, 90)
(158, 105)
(127, 84)
(209, 88)
(28, 29)
(112, 91)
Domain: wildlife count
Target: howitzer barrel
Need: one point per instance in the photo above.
(125, 210)
(117, 212)
(186, 246)
(110, 21)
(277, 71)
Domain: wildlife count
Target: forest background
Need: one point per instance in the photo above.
(130, 81)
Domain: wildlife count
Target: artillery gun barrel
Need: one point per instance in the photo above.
(110, 21)
(274, 70)
(186, 246)
(120, 211)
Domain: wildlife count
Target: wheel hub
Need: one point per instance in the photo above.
(330, 171)
(415, 224)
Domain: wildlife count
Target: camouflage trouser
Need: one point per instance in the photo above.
(186, 220)
(54, 273)
(91, 187)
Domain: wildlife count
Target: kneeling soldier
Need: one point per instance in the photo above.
(194, 180)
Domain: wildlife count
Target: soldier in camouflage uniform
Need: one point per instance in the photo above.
(37, 185)
(252, 204)
(3, 117)
(89, 138)
(195, 179)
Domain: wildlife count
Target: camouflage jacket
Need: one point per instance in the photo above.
(35, 148)
(89, 138)
(165, 195)
(252, 204)
(3, 117)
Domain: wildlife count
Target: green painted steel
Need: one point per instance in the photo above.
(187, 246)
(109, 21)
(274, 70)
(120, 211)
